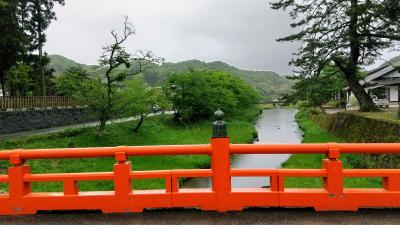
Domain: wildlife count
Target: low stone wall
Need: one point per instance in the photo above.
(18, 121)
(358, 129)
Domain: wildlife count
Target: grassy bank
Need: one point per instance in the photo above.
(315, 134)
(389, 114)
(155, 131)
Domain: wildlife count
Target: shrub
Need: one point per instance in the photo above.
(195, 95)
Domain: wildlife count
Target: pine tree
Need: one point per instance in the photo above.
(349, 33)
(40, 13)
(11, 39)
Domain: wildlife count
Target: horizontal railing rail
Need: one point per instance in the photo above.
(97, 152)
(33, 102)
(221, 196)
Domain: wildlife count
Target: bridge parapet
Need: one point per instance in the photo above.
(221, 197)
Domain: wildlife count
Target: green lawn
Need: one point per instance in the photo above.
(389, 114)
(155, 131)
(315, 134)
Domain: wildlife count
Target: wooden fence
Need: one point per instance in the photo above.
(37, 102)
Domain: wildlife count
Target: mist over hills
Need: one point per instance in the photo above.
(270, 84)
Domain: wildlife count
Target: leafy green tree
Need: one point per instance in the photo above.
(36, 18)
(112, 62)
(11, 39)
(152, 78)
(71, 82)
(113, 57)
(350, 33)
(18, 80)
(317, 90)
(23, 24)
(31, 60)
(140, 100)
(94, 93)
(196, 95)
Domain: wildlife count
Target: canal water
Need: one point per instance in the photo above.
(274, 126)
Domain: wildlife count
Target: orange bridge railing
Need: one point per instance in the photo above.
(220, 197)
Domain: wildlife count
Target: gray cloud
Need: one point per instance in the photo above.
(239, 32)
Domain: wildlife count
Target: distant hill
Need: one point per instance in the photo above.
(61, 64)
(270, 84)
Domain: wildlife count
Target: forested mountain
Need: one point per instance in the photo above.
(270, 84)
(61, 64)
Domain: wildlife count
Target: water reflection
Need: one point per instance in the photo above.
(274, 126)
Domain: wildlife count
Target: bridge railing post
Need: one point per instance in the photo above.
(16, 185)
(333, 182)
(122, 181)
(220, 163)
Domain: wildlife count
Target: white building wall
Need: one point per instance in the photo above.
(393, 93)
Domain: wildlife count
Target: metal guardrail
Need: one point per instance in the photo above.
(220, 197)
(37, 102)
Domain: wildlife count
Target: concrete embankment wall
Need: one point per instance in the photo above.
(26, 120)
(358, 129)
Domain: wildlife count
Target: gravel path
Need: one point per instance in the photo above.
(194, 217)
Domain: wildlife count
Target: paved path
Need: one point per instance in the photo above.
(63, 128)
(194, 217)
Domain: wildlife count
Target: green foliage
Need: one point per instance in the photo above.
(37, 88)
(269, 84)
(12, 40)
(71, 82)
(350, 34)
(94, 93)
(156, 131)
(36, 16)
(197, 95)
(140, 100)
(18, 80)
(23, 24)
(317, 90)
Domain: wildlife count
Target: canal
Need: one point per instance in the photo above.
(274, 126)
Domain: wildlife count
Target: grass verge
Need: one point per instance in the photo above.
(315, 134)
(155, 131)
(389, 114)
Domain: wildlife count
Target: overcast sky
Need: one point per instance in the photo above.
(239, 32)
(242, 33)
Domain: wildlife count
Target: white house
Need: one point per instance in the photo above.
(384, 80)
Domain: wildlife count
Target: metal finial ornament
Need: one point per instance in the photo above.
(219, 126)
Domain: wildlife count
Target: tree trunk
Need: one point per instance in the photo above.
(350, 68)
(42, 79)
(139, 124)
(3, 88)
(366, 102)
(103, 122)
(398, 112)
(41, 72)
(103, 119)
